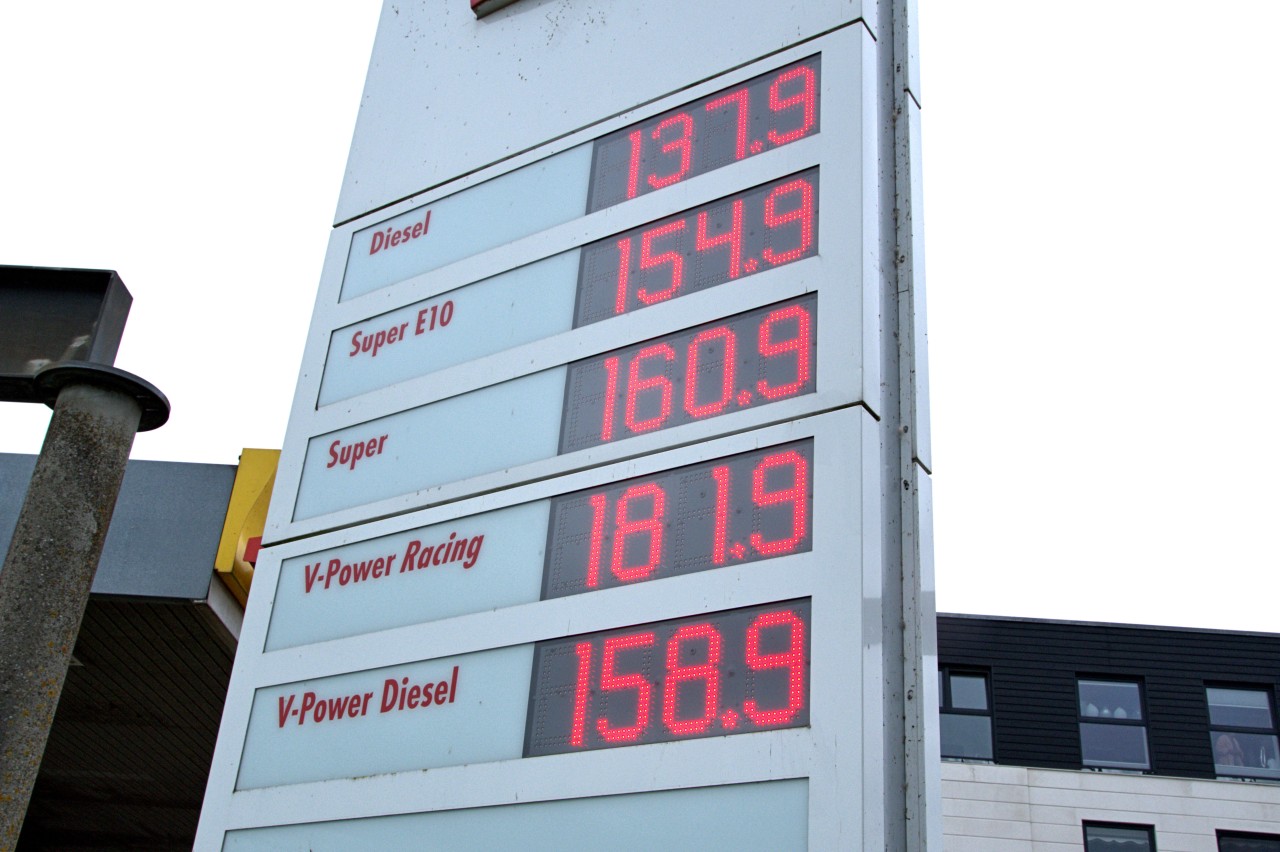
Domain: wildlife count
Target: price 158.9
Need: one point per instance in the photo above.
(733, 672)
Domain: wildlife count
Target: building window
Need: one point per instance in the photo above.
(1241, 841)
(1117, 837)
(1113, 730)
(965, 714)
(1242, 732)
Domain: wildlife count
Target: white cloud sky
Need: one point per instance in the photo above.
(1100, 185)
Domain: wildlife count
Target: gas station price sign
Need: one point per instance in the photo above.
(763, 113)
(738, 509)
(755, 230)
(474, 448)
(750, 359)
(731, 672)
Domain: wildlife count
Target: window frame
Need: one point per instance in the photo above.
(946, 707)
(1082, 719)
(1150, 830)
(1217, 730)
(1243, 835)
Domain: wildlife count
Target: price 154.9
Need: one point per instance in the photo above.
(752, 231)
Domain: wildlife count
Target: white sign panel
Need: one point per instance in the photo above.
(521, 306)
(468, 565)
(466, 709)
(743, 816)
(493, 213)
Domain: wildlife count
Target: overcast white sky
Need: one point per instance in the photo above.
(1101, 188)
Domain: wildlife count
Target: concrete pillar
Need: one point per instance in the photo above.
(44, 584)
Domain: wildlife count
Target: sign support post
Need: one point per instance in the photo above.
(912, 738)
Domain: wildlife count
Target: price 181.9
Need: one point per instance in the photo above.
(742, 508)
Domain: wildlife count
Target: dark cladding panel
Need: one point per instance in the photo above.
(1034, 666)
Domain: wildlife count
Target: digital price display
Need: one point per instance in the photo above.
(730, 511)
(763, 113)
(732, 672)
(752, 231)
(750, 359)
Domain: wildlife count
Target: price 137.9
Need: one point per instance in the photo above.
(754, 358)
(733, 510)
(764, 113)
(752, 231)
(733, 672)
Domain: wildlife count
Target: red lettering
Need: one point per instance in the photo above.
(390, 238)
(390, 691)
(363, 343)
(312, 574)
(348, 454)
(308, 702)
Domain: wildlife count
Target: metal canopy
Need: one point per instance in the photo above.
(129, 751)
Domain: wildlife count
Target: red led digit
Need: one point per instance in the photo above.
(599, 502)
(707, 246)
(802, 215)
(745, 361)
(769, 110)
(648, 260)
(683, 144)
(624, 275)
(796, 495)
(738, 99)
(731, 238)
(720, 537)
(610, 397)
(791, 659)
(611, 681)
(728, 368)
(678, 673)
(806, 98)
(633, 165)
(730, 672)
(658, 382)
(743, 508)
(797, 345)
(581, 691)
(625, 526)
